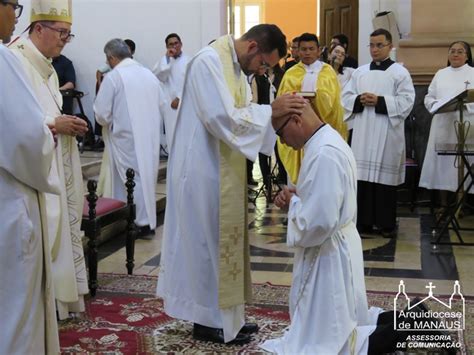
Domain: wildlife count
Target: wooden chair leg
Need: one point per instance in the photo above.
(131, 227)
(92, 236)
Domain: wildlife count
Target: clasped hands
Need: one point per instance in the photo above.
(368, 99)
(282, 200)
(68, 125)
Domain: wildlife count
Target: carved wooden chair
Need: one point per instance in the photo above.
(99, 212)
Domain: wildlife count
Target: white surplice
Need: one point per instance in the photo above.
(64, 211)
(128, 108)
(189, 272)
(27, 311)
(170, 72)
(378, 140)
(345, 77)
(328, 302)
(439, 171)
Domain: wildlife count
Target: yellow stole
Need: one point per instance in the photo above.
(234, 255)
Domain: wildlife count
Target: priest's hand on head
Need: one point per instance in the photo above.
(287, 104)
(368, 99)
(70, 125)
(282, 200)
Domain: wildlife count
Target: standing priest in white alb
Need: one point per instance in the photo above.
(128, 108)
(205, 267)
(170, 70)
(49, 32)
(27, 312)
(378, 98)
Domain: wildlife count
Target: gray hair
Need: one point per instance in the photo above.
(117, 48)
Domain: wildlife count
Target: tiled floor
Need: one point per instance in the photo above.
(409, 257)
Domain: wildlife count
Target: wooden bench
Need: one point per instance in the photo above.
(99, 212)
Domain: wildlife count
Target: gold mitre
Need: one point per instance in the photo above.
(51, 10)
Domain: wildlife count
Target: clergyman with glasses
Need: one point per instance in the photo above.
(378, 98)
(49, 32)
(205, 268)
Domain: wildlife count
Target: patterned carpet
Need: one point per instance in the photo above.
(126, 318)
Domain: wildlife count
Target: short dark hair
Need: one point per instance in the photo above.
(343, 40)
(268, 37)
(296, 39)
(308, 37)
(171, 35)
(130, 45)
(382, 32)
(467, 48)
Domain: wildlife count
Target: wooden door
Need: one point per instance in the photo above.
(340, 16)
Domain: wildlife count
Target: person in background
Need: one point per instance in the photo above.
(131, 45)
(377, 100)
(128, 108)
(439, 172)
(67, 80)
(310, 76)
(264, 86)
(294, 57)
(170, 70)
(337, 54)
(344, 41)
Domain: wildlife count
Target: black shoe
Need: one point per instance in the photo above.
(145, 233)
(249, 328)
(216, 335)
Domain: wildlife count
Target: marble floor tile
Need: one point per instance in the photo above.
(409, 257)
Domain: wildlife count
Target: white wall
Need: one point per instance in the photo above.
(146, 22)
(367, 11)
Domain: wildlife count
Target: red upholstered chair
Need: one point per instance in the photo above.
(99, 212)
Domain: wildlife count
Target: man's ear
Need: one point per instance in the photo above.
(252, 47)
(297, 119)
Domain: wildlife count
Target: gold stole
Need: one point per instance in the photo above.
(234, 255)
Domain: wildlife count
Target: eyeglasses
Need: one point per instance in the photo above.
(64, 35)
(16, 7)
(279, 131)
(378, 45)
(457, 51)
